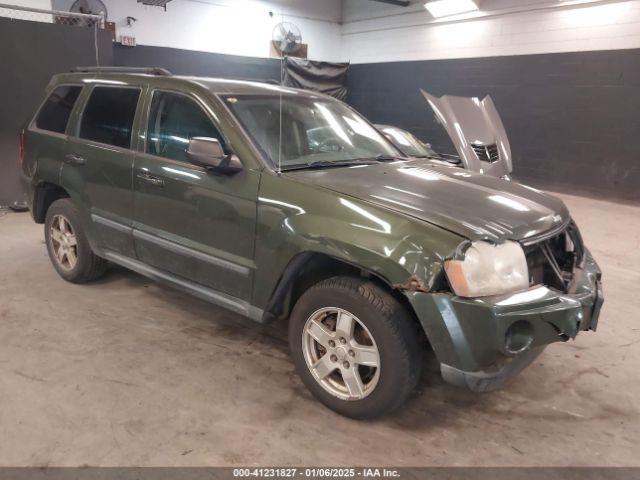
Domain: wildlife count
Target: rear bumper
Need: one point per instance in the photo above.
(482, 342)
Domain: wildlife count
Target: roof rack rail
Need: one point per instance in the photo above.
(147, 70)
(271, 81)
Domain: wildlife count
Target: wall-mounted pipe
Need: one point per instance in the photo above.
(398, 3)
(88, 16)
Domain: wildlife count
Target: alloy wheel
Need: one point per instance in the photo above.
(63, 242)
(341, 353)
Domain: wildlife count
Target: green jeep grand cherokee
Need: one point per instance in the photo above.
(369, 255)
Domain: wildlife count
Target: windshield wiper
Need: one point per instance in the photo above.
(328, 164)
(388, 158)
(453, 161)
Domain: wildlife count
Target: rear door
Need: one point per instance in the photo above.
(189, 221)
(46, 137)
(99, 164)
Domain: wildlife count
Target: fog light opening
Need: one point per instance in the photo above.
(519, 337)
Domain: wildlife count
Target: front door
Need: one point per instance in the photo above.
(189, 221)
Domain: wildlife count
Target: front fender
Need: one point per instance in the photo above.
(295, 217)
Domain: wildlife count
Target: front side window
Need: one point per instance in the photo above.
(108, 116)
(174, 120)
(56, 111)
(313, 130)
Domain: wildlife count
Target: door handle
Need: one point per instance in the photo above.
(153, 180)
(73, 159)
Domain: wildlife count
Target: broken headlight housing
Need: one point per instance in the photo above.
(488, 269)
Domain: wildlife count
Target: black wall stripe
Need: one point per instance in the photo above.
(30, 54)
(573, 119)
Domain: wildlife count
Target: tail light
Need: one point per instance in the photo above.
(22, 148)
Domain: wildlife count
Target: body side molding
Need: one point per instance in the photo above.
(190, 252)
(218, 298)
(110, 223)
(173, 246)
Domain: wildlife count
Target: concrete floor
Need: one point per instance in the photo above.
(127, 372)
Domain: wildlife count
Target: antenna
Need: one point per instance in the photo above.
(280, 105)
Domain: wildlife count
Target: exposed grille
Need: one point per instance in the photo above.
(552, 260)
(486, 153)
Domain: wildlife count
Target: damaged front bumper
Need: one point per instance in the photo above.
(482, 342)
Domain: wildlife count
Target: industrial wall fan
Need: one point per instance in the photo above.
(286, 38)
(92, 7)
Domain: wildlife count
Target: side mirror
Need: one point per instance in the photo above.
(207, 152)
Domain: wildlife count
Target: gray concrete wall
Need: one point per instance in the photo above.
(30, 53)
(573, 119)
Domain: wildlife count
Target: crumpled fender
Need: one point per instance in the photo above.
(403, 251)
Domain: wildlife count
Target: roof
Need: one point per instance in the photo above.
(237, 86)
(161, 76)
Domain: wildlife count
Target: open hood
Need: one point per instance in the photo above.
(476, 131)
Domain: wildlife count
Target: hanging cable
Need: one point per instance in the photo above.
(96, 25)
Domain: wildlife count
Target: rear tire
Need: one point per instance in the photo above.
(355, 347)
(67, 244)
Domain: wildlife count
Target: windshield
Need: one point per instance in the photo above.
(314, 130)
(407, 143)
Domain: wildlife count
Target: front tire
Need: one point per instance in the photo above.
(355, 347)
(67, 244)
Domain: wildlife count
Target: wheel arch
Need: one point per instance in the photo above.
(45, 194)
(310, 267)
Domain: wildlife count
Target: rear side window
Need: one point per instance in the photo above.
(56, 111)
(108, 116)
(174, 120)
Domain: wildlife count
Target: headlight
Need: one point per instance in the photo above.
(488, 270)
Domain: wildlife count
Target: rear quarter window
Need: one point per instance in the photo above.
(54, 114)
(108, 116)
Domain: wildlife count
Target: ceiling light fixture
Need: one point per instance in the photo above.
(446, 8)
